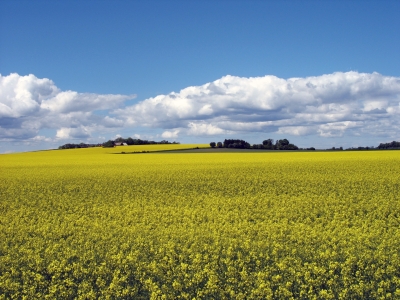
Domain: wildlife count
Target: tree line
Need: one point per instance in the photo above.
(269, 144)
(112, 143)
(284, 144)
(80, 145)
(391, 145)
(130, 141)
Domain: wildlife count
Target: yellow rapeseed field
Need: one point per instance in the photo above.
(90, 224)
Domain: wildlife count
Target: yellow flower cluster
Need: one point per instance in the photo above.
(89, 224)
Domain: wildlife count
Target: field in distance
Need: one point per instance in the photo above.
(85, 224)
(141, 148)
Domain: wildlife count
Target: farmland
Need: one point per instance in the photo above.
(87, 224)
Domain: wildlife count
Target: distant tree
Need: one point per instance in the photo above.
(281, 144)
(109, 144)
(119, 140)
(219, 145)
(80, 145)
(236, 144)
(268, 144)
(291, 147)
(130, 141)
(258, 146)
(391, 145)
(212, 144)
(284, 142)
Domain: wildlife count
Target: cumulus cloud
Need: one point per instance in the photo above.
(73, 133)
(69, 101)
(331, 105)
(328, 105)
(22, 95)
(41, 138)
(170, 134)
(29, 104)
(203, 129)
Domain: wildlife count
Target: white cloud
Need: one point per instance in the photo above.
(112, 122)
(73, 133)
(29, 104)
(327, 105)
(203, 129)
(336, 129)
(331, 105)
(69, 101)
(22, 95)
(170, 134)
(41, 138)
(297, 130)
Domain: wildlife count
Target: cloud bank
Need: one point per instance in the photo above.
(332, 105)
(327, 105)
(29, 104)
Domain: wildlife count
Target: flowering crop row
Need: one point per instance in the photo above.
(87, 224)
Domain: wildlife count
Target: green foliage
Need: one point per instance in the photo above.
(109, 144)
(231, 143)
(283, 144)
(391, 145)
(87, 225)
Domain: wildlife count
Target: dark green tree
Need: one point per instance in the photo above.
(109, 144)
(130, 141)
(268, 144)
(236, 144)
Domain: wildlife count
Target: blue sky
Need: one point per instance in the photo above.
(201, 71)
